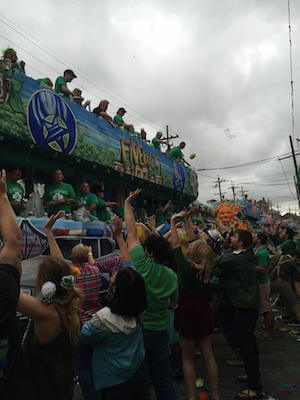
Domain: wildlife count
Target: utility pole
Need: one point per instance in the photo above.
(218, 183)
(296, 180)
(232, 187)
(242, 191)
(168, 138)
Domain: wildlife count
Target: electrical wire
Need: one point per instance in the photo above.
(291, 74)
(98, 85)
(250, 163)
(287, 181)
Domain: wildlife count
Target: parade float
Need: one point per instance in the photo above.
(41, 131)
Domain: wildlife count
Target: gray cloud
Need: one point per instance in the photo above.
(199, 66)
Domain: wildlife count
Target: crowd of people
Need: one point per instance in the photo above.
(182, 276)
(10, 62)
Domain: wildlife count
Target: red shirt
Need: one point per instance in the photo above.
(89, 282)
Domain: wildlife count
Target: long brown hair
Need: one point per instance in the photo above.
(53, 269)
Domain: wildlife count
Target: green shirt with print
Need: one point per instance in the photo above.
(161, 285)
(118, 118)
(102, 212)
(285, 247)
(60, 81)
(87, 199)
(156, 144)
(239, 278)
(136, 135)
(176, 153)
(15, 194)
(59, 192)
(262, 260)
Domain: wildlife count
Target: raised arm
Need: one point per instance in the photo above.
(9, 229)
(174, 234)
(117, 231)
(54, 248)
(189, 226)
(166, 207)
(220, 225)
(132, 236)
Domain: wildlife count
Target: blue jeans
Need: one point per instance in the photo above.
(85, 373)
(132, 389)
(158, 366)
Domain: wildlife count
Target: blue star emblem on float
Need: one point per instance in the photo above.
(51, 122)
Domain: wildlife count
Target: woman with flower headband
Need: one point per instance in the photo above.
(49, 343)
(88, 280)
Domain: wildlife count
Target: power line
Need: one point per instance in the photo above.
(264, 160)
(67, 63)
(291, 73)
(287, 181)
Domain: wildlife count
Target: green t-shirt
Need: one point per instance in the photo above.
(239, 279)
(160, 218)
(60, 81)
(285, 247)
(161, 285)
(120, 213)
(102, 212)
(58, 192)
(135, 134)
(188, 276)
(88, 199)
(118, 118)
(175, 153)
(15, 194)
(43, 82)
(262, 260)
(155, 143)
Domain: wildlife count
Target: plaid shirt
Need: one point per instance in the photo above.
(90, 283)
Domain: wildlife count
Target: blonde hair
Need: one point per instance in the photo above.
(183, 239)
(53, 269)
(79, 254)
(77, 92)
(202, 258)
(143, 232)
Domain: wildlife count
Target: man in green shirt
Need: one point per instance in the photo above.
(59, 196)
(87, 199)
(102, 211)
(157, 141)
(61, 87)
(119, 121)
(262, 261)
(15, 191)
(286, 236)
(240, 304)
(176, 153)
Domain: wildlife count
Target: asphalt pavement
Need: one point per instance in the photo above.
(280, 367)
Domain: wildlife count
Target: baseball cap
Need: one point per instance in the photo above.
(69, 71)
(122, 109)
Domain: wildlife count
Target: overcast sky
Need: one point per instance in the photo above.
(217, 72)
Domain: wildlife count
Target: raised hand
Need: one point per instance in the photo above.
(133, 195)
(3, 183)
(178, 215)
(51, 221)
(117, 226)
